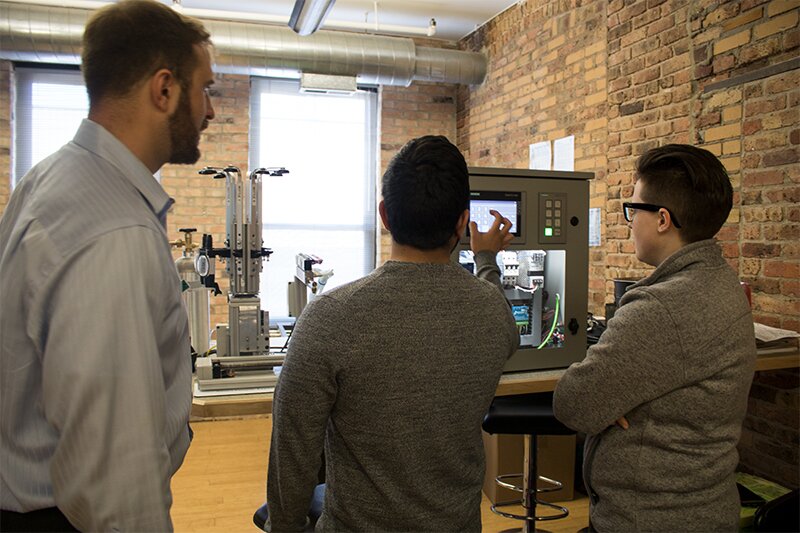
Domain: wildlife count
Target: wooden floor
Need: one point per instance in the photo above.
(222, 482)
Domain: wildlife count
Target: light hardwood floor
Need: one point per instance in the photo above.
(222, 482)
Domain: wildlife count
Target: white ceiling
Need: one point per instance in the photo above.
(454, 18)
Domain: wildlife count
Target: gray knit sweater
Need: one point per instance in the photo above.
(677, 360)
(393, 373)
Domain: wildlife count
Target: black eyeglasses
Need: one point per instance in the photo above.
(629, 209)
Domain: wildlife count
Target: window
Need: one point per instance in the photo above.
(325, 206)
(50, 104)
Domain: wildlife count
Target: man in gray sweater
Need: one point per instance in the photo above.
(393, 373)
(663, 394)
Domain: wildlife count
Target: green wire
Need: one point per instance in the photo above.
(553, 327)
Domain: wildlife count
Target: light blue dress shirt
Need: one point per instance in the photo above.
(95, 371)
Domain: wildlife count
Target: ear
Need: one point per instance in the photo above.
(384, 219)
(461, 225)
(164, 90)
(664, 220)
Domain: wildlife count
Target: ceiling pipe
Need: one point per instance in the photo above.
(49, 34)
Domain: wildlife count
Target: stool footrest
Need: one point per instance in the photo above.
(556, 485)
(564, 512)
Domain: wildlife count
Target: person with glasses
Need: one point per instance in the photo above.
(663, 394)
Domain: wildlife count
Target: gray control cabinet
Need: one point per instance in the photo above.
(545, 268)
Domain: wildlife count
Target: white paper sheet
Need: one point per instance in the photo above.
(540, 156)
(564, 153)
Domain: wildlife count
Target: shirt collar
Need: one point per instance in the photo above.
(98, 140)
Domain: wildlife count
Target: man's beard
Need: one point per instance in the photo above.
(184, 136)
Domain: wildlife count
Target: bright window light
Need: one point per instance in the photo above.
(50, 107)
(325, 206)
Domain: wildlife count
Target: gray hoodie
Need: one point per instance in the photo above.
(677, 361)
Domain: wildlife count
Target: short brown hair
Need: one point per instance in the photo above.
(692, 183)
(125, 42)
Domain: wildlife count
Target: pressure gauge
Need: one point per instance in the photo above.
(201, 265)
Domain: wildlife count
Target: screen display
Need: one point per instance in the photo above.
(505, 203)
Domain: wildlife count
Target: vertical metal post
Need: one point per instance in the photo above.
(529, 483)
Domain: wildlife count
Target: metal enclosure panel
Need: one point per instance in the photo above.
(572, 277)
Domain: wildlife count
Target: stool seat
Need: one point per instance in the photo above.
(524, 414)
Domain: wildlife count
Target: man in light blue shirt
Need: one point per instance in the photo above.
(95, 373)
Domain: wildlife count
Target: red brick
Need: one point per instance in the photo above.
(726, 11)
(722, 63)
(751, 126)
(791, 39)
(709, 119)
(672, 35)
(781, 157)
(663, 23)
(620, 30)
(782, 232)
(643, 47)
(758, 107)
(785, 82)
(791, 324)
(632, 11)
(760, 50)
(643, 119)
(766, 177)
(619, 84)
(782, 269)
(730, 249)
(750, 249)
(754, 90)
(681, 125)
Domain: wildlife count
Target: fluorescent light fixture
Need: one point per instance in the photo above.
(308, 15)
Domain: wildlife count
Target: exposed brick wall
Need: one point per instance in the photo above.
(546, 79)
(753, 127)
(769, 233)
(770, 443)
(650, 103)
(659, 57)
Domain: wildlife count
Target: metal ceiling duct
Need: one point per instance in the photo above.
(46, 34)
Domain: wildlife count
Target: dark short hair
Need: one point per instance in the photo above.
(123, 43)
(690, 182)
(425, 190)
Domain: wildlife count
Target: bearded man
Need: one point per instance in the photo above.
(95, 370)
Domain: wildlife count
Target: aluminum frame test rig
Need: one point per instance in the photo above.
(243, 358)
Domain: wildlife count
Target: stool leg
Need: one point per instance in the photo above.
(529, 484)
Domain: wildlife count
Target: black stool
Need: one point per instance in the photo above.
(529, 415)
